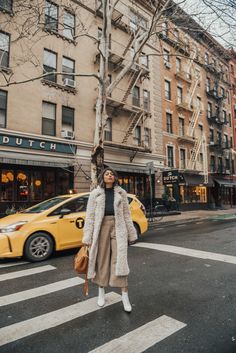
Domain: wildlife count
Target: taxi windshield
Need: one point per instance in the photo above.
(45, 205)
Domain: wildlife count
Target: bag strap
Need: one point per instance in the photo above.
(85, 287)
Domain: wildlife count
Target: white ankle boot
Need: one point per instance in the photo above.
(101, 296)
(126, 302)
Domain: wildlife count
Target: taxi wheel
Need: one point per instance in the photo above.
(137, 230)
(38, 247)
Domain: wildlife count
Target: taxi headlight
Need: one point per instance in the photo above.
(12, 227)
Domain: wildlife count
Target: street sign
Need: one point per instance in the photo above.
(150, 168)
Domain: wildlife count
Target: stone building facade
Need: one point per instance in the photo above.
(47, 124)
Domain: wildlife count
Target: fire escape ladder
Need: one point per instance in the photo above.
(132, 82)
(193, 122)
(135, 119)
(205, 160)
(195, 151)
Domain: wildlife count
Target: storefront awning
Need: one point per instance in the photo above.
(197, 180)
(34, 160)
(127, 168)
(226, 182)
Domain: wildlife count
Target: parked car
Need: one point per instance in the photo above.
(52, 225)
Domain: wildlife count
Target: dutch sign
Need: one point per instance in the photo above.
(36, 144)
(170, 177)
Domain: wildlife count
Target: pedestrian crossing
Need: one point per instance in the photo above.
(135, 341)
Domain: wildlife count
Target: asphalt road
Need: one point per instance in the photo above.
(183, 301)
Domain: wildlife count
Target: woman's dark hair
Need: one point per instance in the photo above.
(101, 177)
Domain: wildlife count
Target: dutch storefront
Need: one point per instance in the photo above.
(189, 190)
(32, 170)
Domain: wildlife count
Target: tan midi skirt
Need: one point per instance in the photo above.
(107, 257)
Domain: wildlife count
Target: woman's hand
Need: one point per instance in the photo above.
(131, 242)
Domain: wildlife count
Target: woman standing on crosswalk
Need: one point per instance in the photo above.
(108, 230)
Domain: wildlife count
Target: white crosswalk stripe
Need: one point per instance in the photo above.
(29, 272)
(39, 291)
(188, 252)
(12, 264)
(52, 319)
(144, 337)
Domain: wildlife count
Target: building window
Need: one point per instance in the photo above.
(208, 84)
(137, 21)
(179, 95)
(50, 65)
(144, 60)
(108, 130)
(165, 29)
(227, 166)
(4, 49)
(3, 108)
(211, 135)
(182, 158)
(212, 164)
(222, 92)
(166, 57)
(199, 104)
(146, 100)
(167, 90)
(68, 67)
(51, 16)
(6, 5)
(225, 141)
(178, 64)
(200, 128)
(224, 116)
(181, 127)
(147, 136)
(169, 127)
(136, 96)
(231, 141)
(206, 58)
(209, 110)
(176, 34)
(137, 136)
(69, 25)
(230, 120)
(170, 156)
(49, 119)
(67, 121)
(220, 165)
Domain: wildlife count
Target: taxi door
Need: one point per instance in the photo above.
(70, 227)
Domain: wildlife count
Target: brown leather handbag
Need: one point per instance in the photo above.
(81, 265)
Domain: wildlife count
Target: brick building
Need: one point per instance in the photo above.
(197, 117)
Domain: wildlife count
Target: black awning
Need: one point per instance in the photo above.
(227, 183)
(197, 180)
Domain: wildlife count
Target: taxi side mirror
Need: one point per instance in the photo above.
(64, 212)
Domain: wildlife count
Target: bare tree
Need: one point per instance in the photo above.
(31, 24)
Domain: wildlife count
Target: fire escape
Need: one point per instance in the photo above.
(122, 100)
(194, 136)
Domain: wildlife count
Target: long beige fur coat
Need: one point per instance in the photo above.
(124, 228)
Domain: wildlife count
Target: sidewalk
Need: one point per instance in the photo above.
(189, 216)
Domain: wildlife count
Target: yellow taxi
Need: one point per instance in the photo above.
(52, 225)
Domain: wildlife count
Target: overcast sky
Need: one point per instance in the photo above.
(218, 17)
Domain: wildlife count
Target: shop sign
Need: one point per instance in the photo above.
(36, 144)
(170, 177)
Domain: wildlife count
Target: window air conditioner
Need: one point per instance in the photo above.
(70, 83)
(167, 64)
(227, 171)
(67, 134)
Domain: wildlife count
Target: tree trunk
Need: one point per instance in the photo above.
(97, 157)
